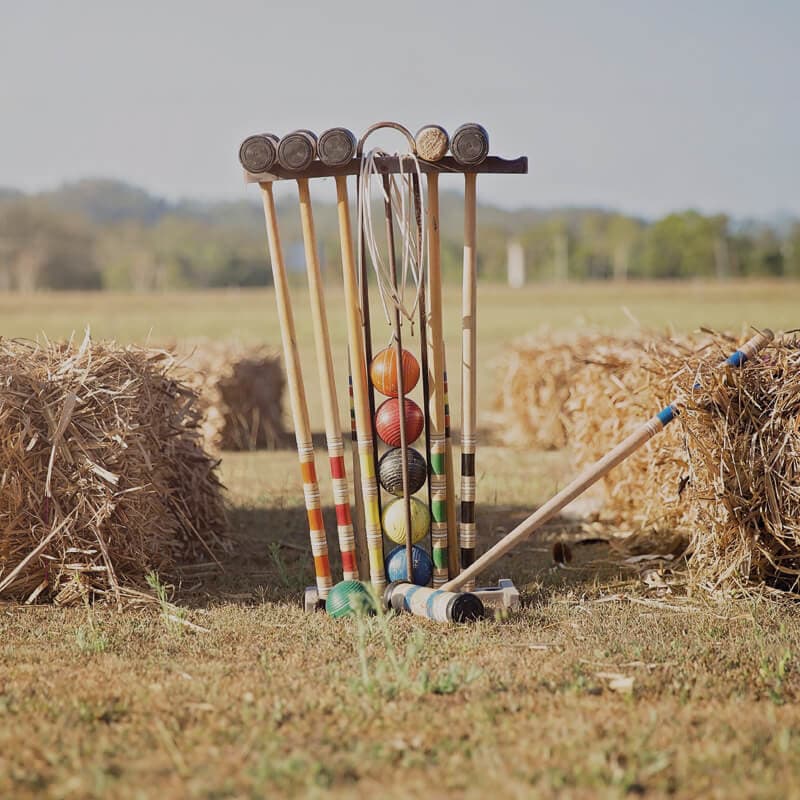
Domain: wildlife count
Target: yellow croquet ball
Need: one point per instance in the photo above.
(394, 520)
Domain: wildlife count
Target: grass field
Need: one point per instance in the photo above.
(594, 690)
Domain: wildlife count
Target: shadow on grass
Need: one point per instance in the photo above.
(271, 558)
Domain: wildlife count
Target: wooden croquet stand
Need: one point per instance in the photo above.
(362, 542)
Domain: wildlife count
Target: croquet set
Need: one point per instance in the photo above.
(408, 534)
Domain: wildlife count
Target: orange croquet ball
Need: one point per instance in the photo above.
(387, 421)
(383, 372)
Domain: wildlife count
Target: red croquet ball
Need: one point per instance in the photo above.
(387, 421)
(383, 372)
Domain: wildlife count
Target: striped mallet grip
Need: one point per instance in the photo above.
(594, 473)
(433, 603)
(746, 351)
(749, 348)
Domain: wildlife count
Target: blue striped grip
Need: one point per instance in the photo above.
(667, 414)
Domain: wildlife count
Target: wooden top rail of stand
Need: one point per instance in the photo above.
(390, 165)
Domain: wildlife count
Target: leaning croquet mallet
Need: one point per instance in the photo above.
(435, 604)
(466, 530)
(373, 535)
(594, 473)
(330, 407)
(297, 398)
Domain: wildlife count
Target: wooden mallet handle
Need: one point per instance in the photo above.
(297, 398)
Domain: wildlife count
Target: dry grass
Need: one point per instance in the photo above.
(260, 700)
(103, 474)
(587, 692)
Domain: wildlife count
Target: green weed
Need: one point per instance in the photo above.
(90, 638)
(172, 616)
(400, 670)
(773, 675)
(291, 579)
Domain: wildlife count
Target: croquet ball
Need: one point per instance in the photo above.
(348, 597)
(383, 372)
(394, 520)
(390, 471)
(397, 565)
(387, 421)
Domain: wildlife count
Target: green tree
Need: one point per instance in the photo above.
(685, 245)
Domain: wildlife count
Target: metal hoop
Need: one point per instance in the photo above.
(386, 124)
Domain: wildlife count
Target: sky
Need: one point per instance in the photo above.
(645, 106)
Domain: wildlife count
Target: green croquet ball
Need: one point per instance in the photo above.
(346, 598)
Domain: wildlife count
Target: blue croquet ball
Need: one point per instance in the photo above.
(397, 570)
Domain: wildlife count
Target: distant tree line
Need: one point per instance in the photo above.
(108, 235)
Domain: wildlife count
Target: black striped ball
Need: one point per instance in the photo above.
(390, 471)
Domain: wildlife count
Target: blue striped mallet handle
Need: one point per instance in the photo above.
(593, 474)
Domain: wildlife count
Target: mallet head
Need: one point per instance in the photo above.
(336, 147)
(470, 144)
(297, 150)
(258, 153)
(432, 142)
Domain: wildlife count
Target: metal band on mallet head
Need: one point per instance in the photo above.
(336, 146)
(433, 604)
(297, 150)
(432, 142)
(470, 144)
(258, 153)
